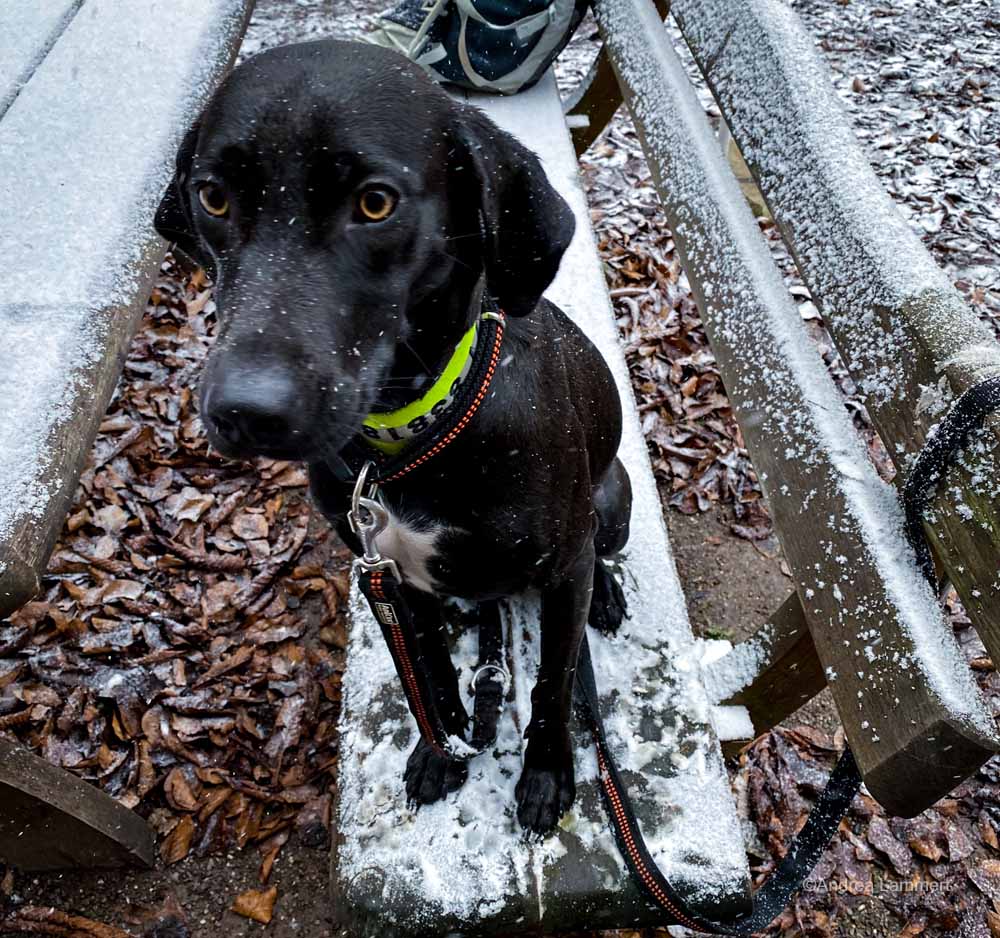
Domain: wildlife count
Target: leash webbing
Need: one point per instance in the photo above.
(939, 452)
(771, 898)
(387, 598)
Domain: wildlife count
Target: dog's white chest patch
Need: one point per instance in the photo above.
(413, 548)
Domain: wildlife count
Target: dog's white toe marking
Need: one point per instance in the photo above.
(413, 546)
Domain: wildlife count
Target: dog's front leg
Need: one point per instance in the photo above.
(546, 788)
(429, 775)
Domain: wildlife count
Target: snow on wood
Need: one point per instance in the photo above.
(872, 616)
(86, 150)
(29, 28)
(465, 860)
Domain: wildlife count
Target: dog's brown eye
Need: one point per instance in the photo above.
(213, 200)
(376, 204)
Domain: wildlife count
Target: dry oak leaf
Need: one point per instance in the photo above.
(256, 904)
(178, 843)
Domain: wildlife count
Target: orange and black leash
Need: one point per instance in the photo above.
(383, 586)
(770, 899)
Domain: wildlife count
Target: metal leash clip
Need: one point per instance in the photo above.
(368, 518)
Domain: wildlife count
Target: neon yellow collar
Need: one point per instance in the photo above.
(390, 432)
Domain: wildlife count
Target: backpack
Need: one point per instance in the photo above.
(500, 46)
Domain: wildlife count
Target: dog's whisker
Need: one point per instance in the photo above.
(458, 261)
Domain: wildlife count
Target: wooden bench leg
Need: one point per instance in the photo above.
(53, 820)
(591, 105)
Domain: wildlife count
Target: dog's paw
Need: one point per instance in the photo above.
(608, 608)
(543, 796)
(429, 776)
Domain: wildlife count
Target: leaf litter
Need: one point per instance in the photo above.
(185, 654)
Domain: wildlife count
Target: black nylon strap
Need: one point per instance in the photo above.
(490, 681)
(774, 895)
(387, 598)
(939, 452)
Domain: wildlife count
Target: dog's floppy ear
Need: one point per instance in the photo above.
(173, 217)
(528, 225)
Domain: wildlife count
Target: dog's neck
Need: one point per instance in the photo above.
(441, 320)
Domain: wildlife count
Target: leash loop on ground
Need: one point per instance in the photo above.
(771, 898)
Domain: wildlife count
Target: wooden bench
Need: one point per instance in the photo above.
(464, 865)
(94, 97)
(861, 621)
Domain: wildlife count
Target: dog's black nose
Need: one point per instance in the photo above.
(257, 411)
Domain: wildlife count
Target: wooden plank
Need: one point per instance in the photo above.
(463, 865)
(909, 341)
(86, 151)
(900, 682)
(29, 29)
(591, 105)
(50, 819)
(772, 673)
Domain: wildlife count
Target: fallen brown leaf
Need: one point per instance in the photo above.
(177, 844)
(256, 904)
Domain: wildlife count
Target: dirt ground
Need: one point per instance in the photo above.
(732, 583)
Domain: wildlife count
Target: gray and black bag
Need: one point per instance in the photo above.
(501, 46)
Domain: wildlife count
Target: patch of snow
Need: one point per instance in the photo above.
(732, 723)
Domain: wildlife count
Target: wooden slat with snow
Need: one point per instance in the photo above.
(910, 342)
(86, 150)
(463, 865)
(29, 29)
(901, 685)
(772, 673)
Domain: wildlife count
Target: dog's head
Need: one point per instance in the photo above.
(349, 211)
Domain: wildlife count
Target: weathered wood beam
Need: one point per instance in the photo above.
(900, 682)
(591, 105)
(909, 341)
(51, 820)
(773, 672)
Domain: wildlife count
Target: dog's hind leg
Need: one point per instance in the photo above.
(613, 507)
(429, 775)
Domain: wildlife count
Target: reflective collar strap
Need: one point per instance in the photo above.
(390, 432)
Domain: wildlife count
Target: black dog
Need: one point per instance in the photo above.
(352, 215)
